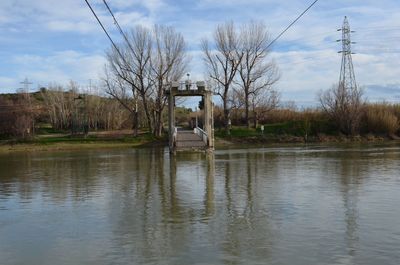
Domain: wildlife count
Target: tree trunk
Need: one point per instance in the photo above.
(246, 104)
(147, 113)
(135, 123)
(158, 124)
(255, 119)
(226, 117)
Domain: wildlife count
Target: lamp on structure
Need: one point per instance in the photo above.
(187, 82)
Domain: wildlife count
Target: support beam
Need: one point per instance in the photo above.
(200, 90)
(208, 119)
(171, 120)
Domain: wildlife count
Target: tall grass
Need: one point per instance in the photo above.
(382, 118)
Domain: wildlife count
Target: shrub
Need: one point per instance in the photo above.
(380, 118)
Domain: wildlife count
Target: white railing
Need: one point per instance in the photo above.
(175, 134)
(200, 132)
(188, 85)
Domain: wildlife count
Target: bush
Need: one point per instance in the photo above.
(381, 118)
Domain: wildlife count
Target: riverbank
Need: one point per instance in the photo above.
(100, 140)
(105, 140)
(292, 139)
(244, 136)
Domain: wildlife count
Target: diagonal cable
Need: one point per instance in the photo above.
(291, 24)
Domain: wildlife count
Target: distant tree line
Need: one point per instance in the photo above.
(63, 108)
(68, 109)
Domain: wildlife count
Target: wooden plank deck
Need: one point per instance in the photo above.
(188, 140)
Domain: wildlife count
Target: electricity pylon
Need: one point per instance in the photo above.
(347, 77)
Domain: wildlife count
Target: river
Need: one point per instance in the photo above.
(274, 205)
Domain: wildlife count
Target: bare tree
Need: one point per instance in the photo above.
(344, 106)
(150, 60)
(60, 104)
(127, 76)
(126, 96)
(256, 73)
(263, 101)
(169, 63)
(222, 62)
(17, 116)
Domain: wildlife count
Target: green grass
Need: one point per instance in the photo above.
(292, 128)
(295, 128)
(49, 130)
(79, 142)
(91, 139)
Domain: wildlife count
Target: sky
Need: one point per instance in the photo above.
(51, 41)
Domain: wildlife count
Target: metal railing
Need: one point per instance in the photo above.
(175, 135)
(200, 132)
(188, 85)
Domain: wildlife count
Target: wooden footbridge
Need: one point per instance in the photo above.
(198, 138)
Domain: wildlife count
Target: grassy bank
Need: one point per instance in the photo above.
(292, 132)
(57, 141)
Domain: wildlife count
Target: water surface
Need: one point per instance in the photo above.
(291, 205)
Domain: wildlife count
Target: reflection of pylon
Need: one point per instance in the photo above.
(347, 77)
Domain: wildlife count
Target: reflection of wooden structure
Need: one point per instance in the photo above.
(199, 138)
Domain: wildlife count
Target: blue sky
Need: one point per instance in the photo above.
(57, 41)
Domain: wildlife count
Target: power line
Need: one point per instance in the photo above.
(119, 27)
(291, 24)
(105, 31)
(313, 36)
(116, 22)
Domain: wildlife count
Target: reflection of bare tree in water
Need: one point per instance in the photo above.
(157, 220)
(135, 207)
(247, 236)
(154, 222)
(60, 176)
(351, 177)
(249, 189)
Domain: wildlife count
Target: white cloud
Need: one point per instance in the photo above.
(130, 19)
(306, 54)
(60, 67)
(74, 15)
(59, 25)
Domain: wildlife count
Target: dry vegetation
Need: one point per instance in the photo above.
(382, 118)
(375, 120)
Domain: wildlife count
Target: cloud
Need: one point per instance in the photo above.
(63, 41)
(378, 92)
(387, 89)
(59, 67)
(60, 25)
(74, 15)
